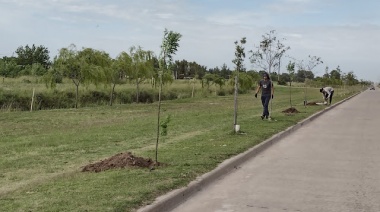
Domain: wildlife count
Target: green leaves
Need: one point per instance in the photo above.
(30, 55)
(170, 44)
(239, 54)
(164, 126)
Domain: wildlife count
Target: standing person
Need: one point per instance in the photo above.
(267, 90)
(327, 93)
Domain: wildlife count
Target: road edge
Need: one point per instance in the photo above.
(174, 198)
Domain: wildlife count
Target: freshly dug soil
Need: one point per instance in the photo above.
(120, 160)
(291, 110)
(311, 103)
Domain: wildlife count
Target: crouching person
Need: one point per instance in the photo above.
(327, 93)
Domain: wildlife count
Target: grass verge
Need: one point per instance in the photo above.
(42, 152)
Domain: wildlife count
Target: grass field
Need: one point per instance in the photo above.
(42, 152)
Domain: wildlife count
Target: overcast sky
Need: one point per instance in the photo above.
(343, 33)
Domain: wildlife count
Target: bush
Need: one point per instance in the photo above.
(221, 92)
(282, 82)
(144, 97)
(94, 97)
(14, 101)
(168, 95)
(123, 97)
(26, 81)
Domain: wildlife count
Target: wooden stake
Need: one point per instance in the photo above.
(31, 104)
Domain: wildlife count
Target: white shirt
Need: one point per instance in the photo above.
(328, 90)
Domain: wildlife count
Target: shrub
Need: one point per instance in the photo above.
(123, 97)
(221, 93)
(282, 82)
(144, 97)
(94, 97)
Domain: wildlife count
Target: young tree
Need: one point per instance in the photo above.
(238, 61)
(268, 54)
(220, 81)
(290, 68)
(310, 65)
(169, 47)
(208, 79)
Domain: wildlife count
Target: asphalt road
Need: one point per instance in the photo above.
(330, 164)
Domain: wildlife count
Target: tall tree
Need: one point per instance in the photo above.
(225, 72)
(30, 55)
(169, 46)
(351, 79)
(120, 67)
(68, 64)
(141, 67)
(197, 70)
(82, 67)
(335, 74)
(268, 54)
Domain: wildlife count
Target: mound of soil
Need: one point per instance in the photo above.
(121, 160)
(291, 110)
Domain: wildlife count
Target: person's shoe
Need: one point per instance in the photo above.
(266, 117)
(262, 117)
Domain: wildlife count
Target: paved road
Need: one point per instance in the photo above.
(330, 164)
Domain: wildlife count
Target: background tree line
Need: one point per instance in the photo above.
(35, 61)
(87, 66)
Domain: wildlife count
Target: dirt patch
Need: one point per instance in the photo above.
(121, 160)
(312, 103)
(316, 103)
(291, 110)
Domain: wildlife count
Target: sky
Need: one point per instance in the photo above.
(344, 33)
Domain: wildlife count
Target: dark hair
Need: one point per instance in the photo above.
(321, 90)
(266, 74)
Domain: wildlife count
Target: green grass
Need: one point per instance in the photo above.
(42, 152)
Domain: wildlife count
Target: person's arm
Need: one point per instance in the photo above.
(258, 89)
(324, 94)
(328, 94)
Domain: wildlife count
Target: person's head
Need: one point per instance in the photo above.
(266, 76)
(321, 90)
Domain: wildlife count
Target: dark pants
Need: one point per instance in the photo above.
(265, 101)
(332, 93)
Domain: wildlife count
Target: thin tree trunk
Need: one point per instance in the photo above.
(305, 102)
(290, 90)
(235, 101)
(31, 104)
(158, 118)
(76, 96)
(137, 91)
(77, 92)
(192, 92)
(112, 91)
